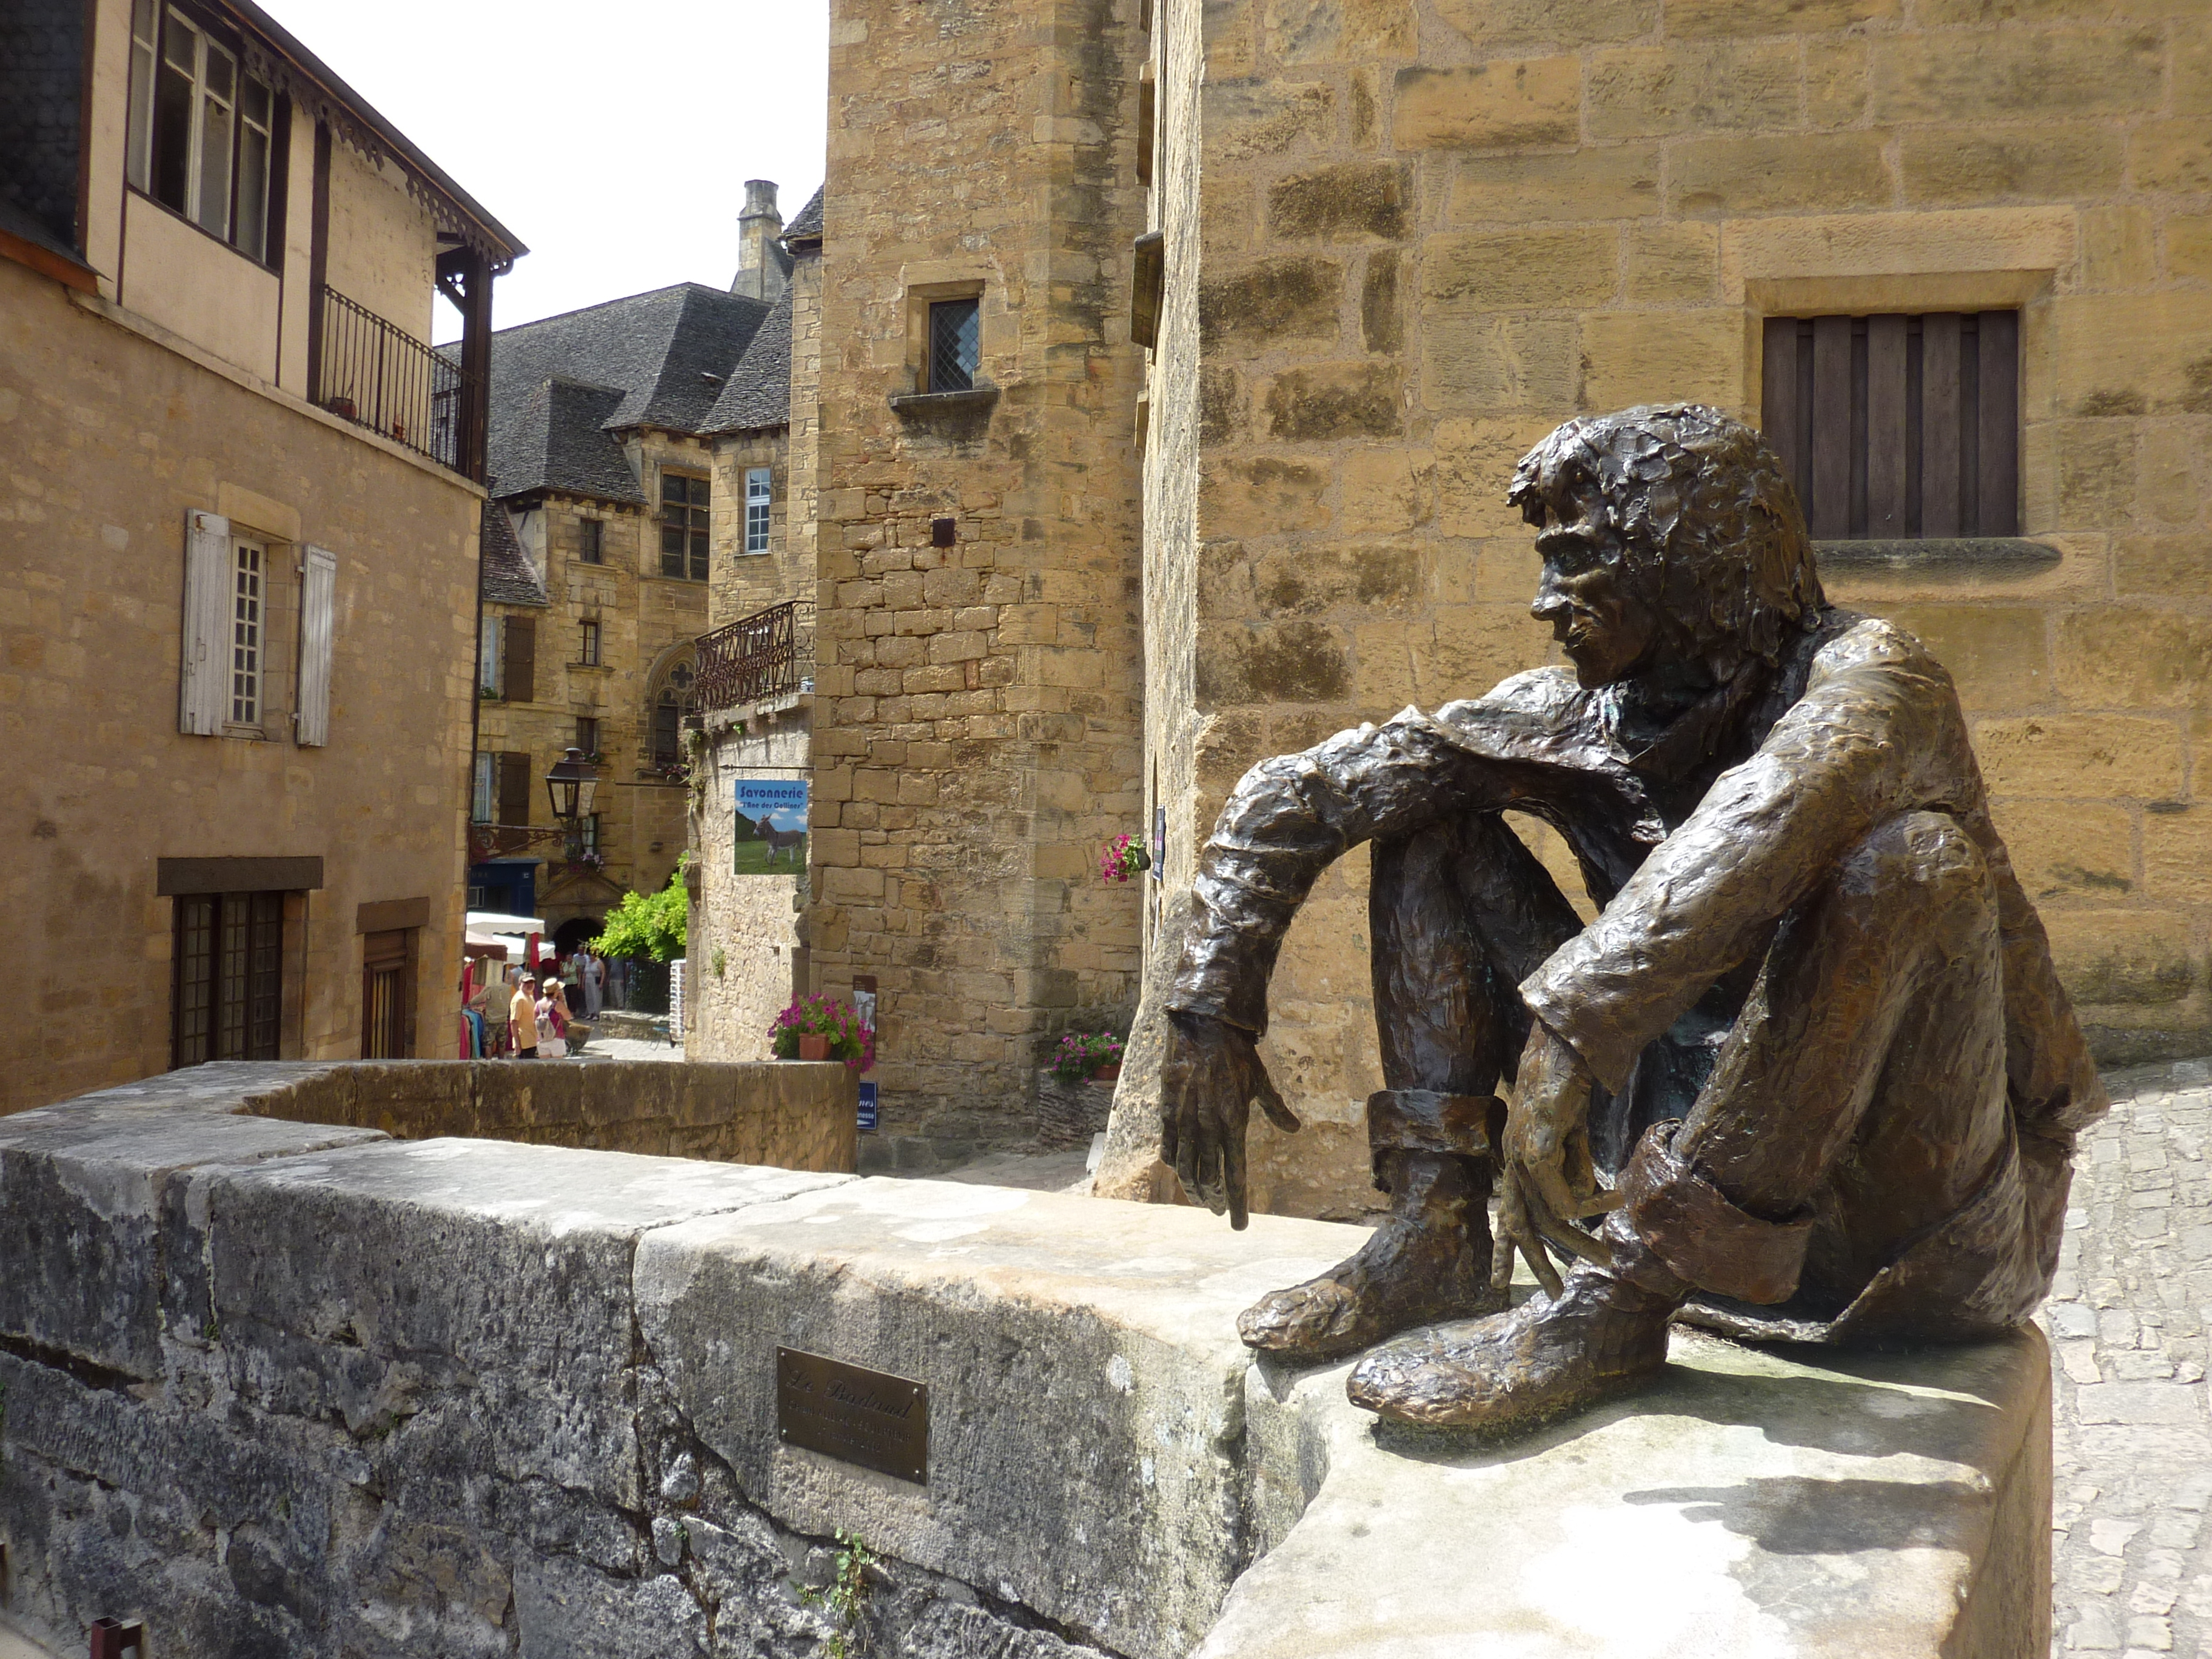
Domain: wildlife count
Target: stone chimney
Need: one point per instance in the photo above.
(763, 266)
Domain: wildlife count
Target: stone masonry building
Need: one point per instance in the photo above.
(1956, 256)
(607, 529)
(237, 549)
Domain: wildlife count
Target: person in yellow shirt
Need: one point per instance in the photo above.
(522, 1018)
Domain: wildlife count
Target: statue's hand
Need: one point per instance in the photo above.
(1211, 1077)
(1549, 1180)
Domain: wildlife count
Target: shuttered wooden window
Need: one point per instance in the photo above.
(205, 692)
(514, 788)
(227, 977)
(1898, 427)
(387, 1001)
(318, 598)
(519, 659)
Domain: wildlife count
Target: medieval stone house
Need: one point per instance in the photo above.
(615, 514)
(239, 481)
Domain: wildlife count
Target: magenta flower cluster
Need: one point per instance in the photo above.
(1081, 1054)
(816, 1015)
(1121, 858)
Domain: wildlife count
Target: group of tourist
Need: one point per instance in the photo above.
(572, 987)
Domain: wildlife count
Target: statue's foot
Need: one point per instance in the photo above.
(1599, 1337)
(1429, 1261)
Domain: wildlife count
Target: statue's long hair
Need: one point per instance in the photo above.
(1711, 530)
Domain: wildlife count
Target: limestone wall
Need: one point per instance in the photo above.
(110, 438)
(976, 716)
(278, 1387)
(1433, 230)
(744, 947)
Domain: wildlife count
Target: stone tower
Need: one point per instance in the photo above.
(977, 694)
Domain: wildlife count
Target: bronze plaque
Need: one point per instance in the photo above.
(870, 1418)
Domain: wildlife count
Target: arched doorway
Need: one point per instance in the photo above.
(572, 935)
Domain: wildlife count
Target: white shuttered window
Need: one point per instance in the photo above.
(205, 692)
(318, 599)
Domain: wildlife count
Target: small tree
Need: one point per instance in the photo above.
(648, 924)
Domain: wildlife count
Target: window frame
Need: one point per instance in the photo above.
(247, 996)
(145, 151)
(248, 626)
(587, 736)
(693, 552)
(590, 653)
(937, 375)
(592, 541)
(760, 508)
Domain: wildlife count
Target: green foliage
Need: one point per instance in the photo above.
(847, 1599)
(648, 924)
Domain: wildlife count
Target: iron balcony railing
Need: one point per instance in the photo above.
(378, 376)
(768, 655)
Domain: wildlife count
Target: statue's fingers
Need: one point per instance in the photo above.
(1508, 1237)
(1549, 1191)
(1232, 1169)
(1600, 1202)
(1572, 1239)
(1540, 1265)
(1186, 1168)
(1209, 1170)
(1270, 1103)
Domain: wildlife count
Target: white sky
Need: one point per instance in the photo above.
(614, 139)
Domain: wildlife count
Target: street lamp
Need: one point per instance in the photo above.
(570, 787)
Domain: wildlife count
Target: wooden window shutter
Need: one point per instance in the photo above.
(1898, 427)
(515, 789)
(519, 661)
(1148, 122)
(319, 590)
(1148, 280)
(203, 693)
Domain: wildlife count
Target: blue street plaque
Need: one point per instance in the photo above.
(867, 1105)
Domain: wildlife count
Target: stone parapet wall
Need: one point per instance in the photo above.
(277, 1388)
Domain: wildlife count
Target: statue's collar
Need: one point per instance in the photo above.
(1697, 735)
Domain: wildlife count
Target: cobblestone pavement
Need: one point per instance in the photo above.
(2132, 1561)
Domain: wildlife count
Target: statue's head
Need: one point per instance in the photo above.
(1670, 538)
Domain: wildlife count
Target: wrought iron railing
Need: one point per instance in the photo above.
(768, 655)
(381, 377)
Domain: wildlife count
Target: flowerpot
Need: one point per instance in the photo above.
(812, 1046)
(1108, 1075)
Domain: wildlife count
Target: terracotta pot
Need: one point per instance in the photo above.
(1108, 1074)
(813, 1045)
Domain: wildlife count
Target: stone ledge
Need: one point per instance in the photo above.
(374, 1394)
(1957, 557)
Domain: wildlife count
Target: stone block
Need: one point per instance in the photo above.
(2134, 657)
(1806, 172)
(2179, 565)
(1731, 1507)
(1499, 105)
(1100, 1501)
(2172, 155)
(1385, 492)
(1315, 577)
(1997, 655)
(1499, 363)
(1475, 460)
(1692, 87)
(2082, 850)
(1627, 358)
(1334, 400)
(93, 1201)
(1274, 302)
(1293, 661)
(1350, 202)
(1264, 495)
(1835, 81)
(1469, 648)
(2039, 74)
(1616, 182)
(2136, 957)
(2177, 854)
(1545, 22)
(1485, 270)
(1696, 17)
(2120, 248)
(2080, 757)
(1381, 315)
(1969, 165)
(1339, 31)
(1674, 262)
(1244, 119)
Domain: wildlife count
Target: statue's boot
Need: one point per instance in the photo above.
(1601, 1335)
(1430, 1258)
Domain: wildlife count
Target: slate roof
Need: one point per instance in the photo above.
(807, 227)
(562, 386)
(758, 393)
(508, 576)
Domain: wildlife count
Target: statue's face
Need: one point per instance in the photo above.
(1608, 630)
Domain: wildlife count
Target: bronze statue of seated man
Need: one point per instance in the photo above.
(1813, 1035)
